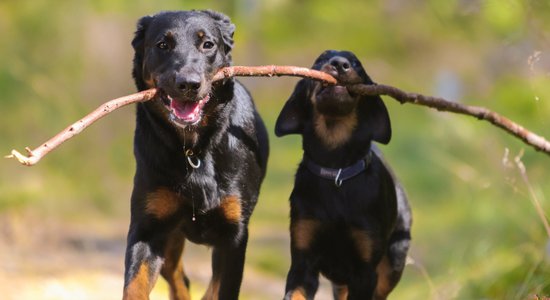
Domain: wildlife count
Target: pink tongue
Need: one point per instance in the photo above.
(185, 110)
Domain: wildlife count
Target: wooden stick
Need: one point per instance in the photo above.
(35, 155)
(270, 71)
(481, 113)
(538, 142)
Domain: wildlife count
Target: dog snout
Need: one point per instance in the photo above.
(341, 64)
(188, 82)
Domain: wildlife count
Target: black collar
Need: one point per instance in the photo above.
(339, 175)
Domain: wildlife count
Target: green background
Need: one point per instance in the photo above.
(476, 232)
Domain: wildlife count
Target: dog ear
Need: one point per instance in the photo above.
(372, 107)
(227, 28)
(139, 36)
(292, 118)
(139, 51)
(374, 111)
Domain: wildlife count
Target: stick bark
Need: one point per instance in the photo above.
(33, 156)
(528, 137)
(536, 141)
(270, 71)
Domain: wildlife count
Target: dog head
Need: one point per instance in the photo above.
(331, 110)
(179, 52)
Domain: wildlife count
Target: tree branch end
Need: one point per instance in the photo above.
(29, 160)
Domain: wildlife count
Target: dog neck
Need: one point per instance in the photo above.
(334, 131)
(339, 175)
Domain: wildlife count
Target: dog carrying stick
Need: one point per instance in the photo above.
(528, 137)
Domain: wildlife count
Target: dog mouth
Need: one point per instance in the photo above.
(333, 92)
(185, 112)
(334, 101)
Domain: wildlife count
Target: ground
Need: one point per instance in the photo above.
(54, 259)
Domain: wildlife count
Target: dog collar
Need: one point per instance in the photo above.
(339, 175)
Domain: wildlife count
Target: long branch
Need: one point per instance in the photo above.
(481, 113)
(270, 71)
(441, 104)
(35, 155)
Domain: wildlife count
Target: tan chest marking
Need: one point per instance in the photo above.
(334, 132)
(162, 203)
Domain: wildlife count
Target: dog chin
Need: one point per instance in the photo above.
(335, 101)
(184, 123)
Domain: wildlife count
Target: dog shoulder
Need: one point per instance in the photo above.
(246, 131)
(242, 109)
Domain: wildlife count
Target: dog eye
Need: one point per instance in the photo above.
(208, 45)
(162, 45)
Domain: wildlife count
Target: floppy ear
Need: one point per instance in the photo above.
(139, 36)
(374, 111)
(139, 51)
(295, 112)
(227, 29)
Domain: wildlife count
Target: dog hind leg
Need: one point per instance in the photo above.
(227, 270)
(172, 269)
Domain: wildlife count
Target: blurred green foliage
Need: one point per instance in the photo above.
(476, 232)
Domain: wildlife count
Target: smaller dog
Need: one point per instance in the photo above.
(350, 219)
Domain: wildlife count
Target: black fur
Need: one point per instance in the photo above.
(356, 234)
(192, 121)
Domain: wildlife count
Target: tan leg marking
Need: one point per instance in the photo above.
(162, 203)
(341, 292)
(303, 231)
(363, 242)
(231, 209)
(298, 294)
(213, 290)
(140, 286)
(383, 286)
(172, 269)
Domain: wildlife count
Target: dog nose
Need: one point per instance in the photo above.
(341, 64)
(188, 82)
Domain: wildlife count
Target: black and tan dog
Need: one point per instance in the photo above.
(350, 219)
(201, 151)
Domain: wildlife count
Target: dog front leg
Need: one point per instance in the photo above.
(227, 270)
(142, 267)
(362, 283)
(303, 278)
